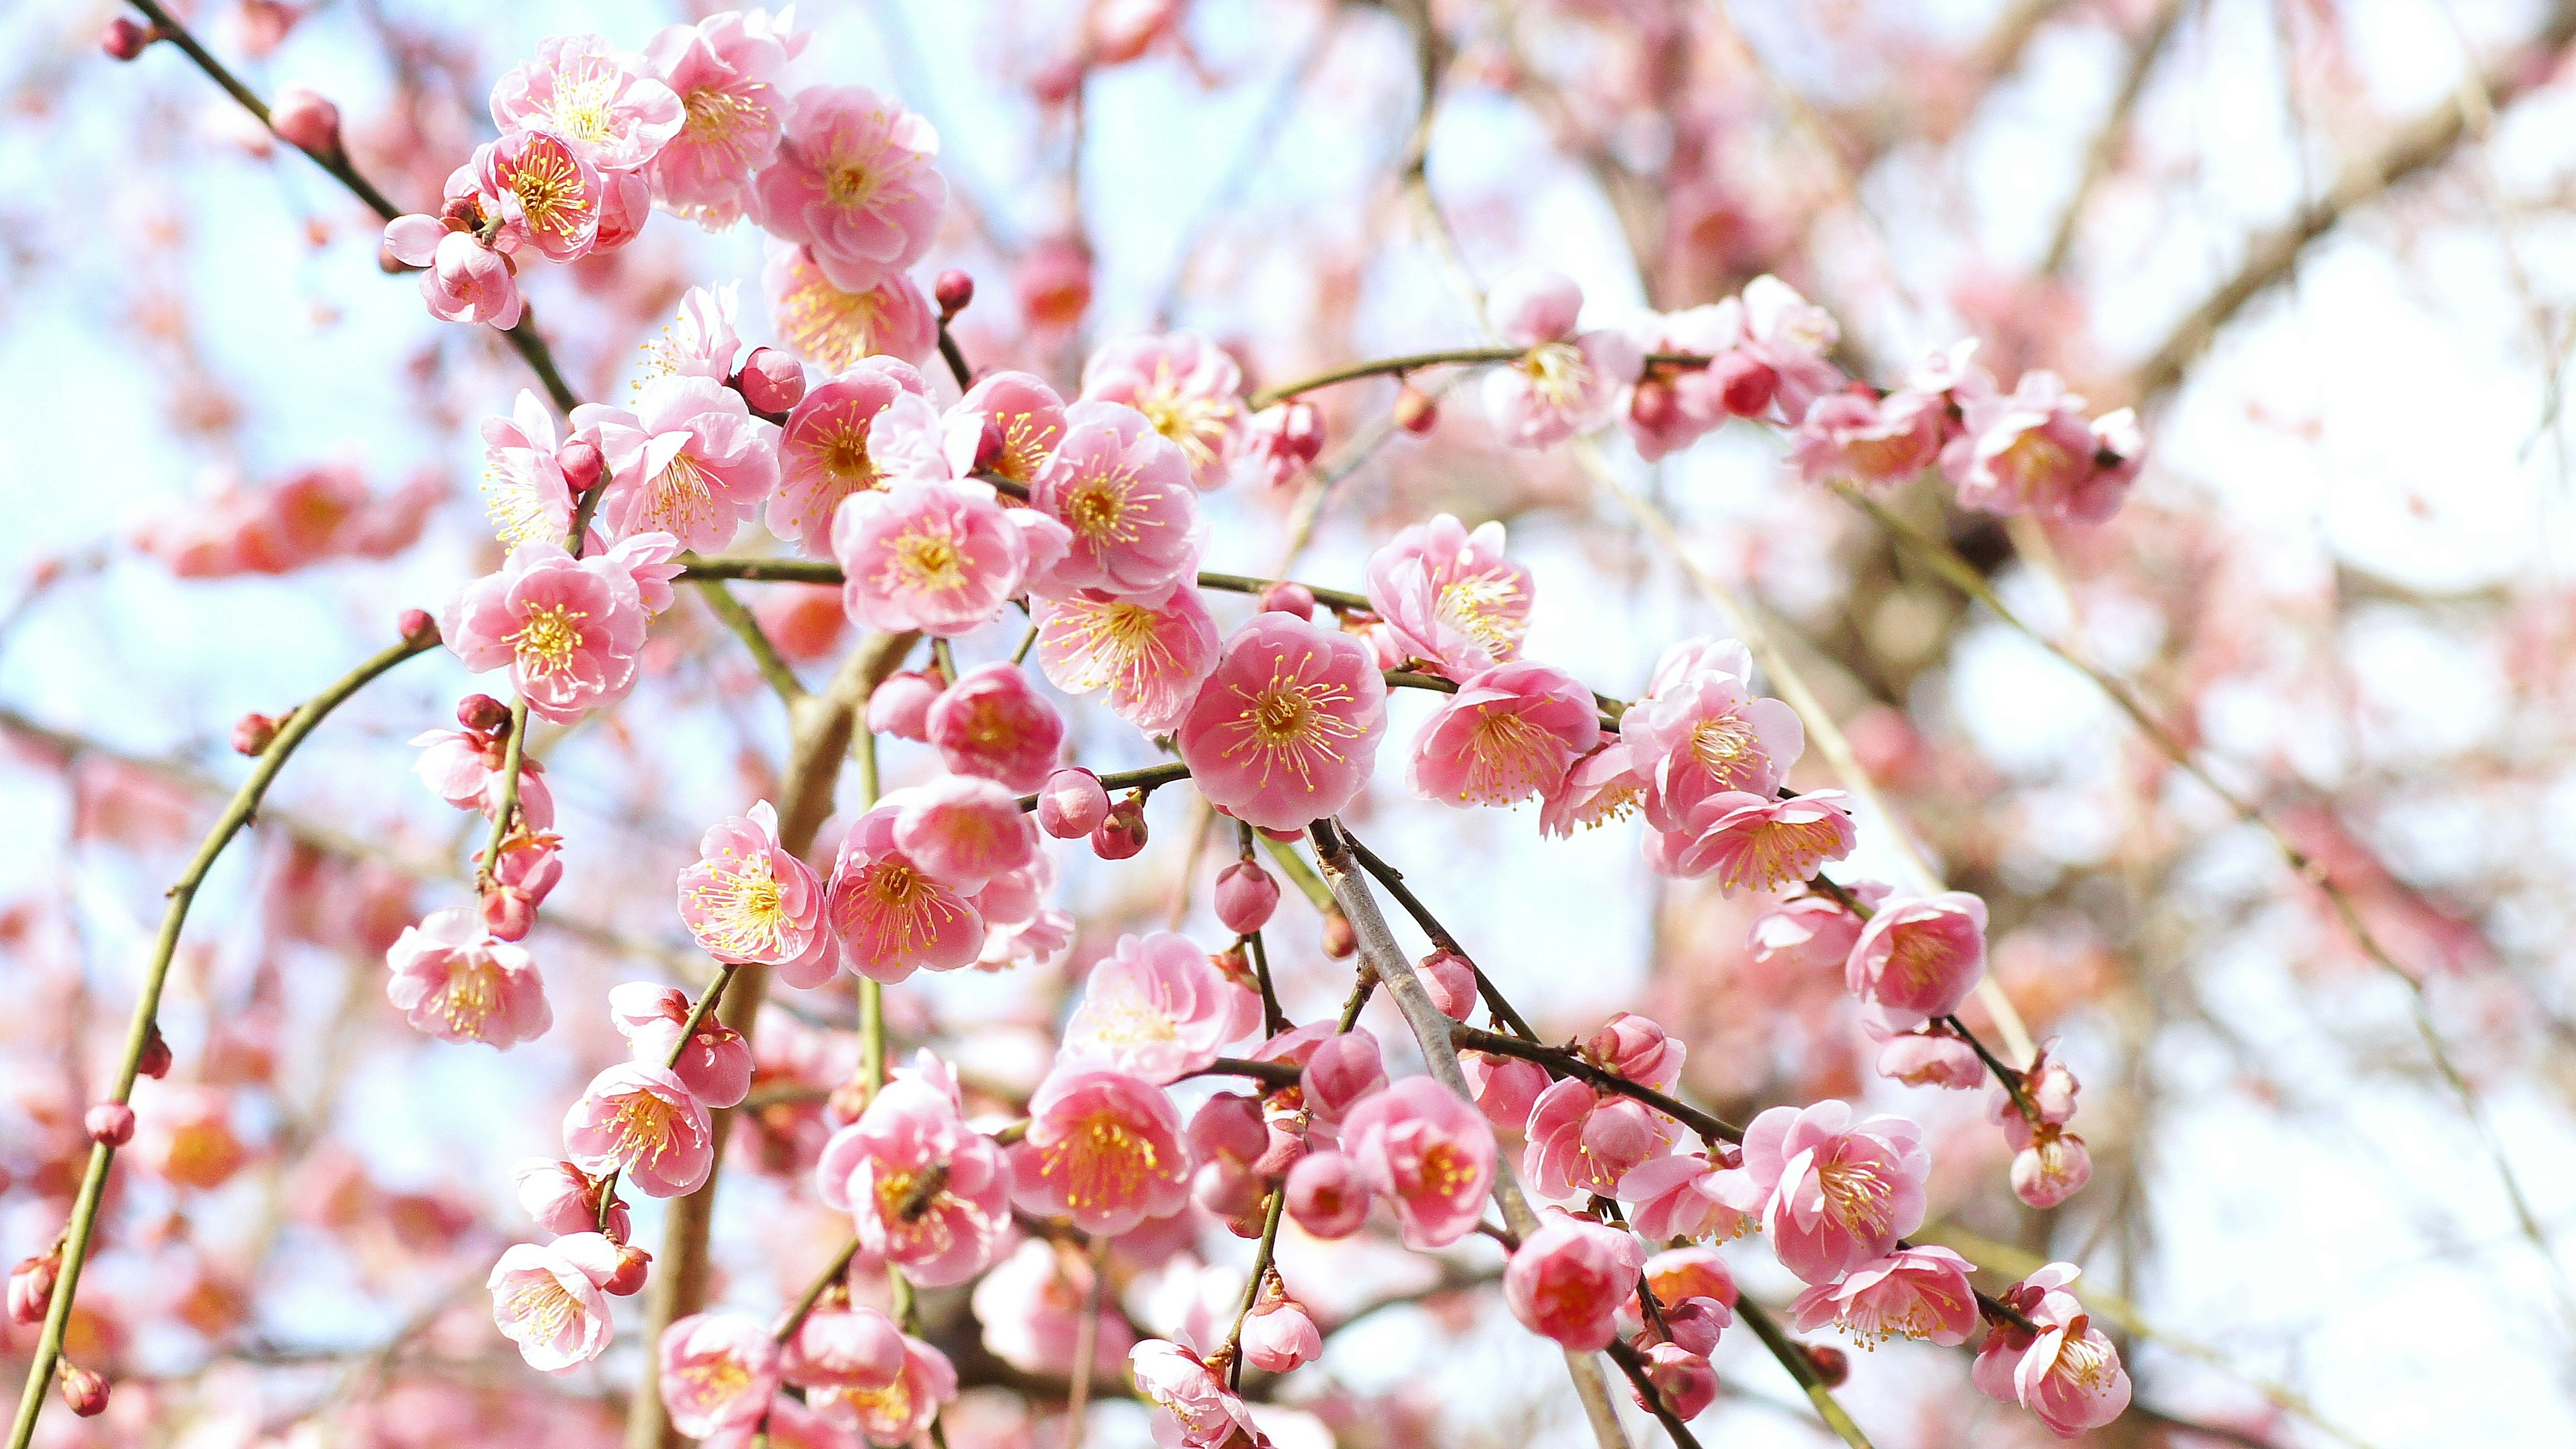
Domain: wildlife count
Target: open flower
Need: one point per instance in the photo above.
(749, 900)
(559, 195)
(853, 1348)
(1603, 786)
(1910, 1293)
(1567, 381)
(1702, 731)
(1584, 1139)
(690, 460)
(1565, 1281)
(854, 180)
(525, 492)
(926, 1191)
(2067, 1373)
(724, 70)
(1427, 1152)
(1918, 958)
(823, 452)
(1193, 1409)
(718, 1372)
(1285, 731)
(1510, 732)
(715, 1065)
(1686, 1195)
(463, 278)
(1150, 653)
(833, 326)
(1189, 390)
(891, 917)
(1873, 441)
(1836, 1193)
(567, 629)
(453, 981)
(992, 723)
(2031, 451)
(548, 1300)
(1122, 490)
(1755, 842)
(1449, 597)
(1032, 1304)
(593, 95)
(1156, 1008)
(937, 557)
(899, 1411)
(1024, 418)
(964, 830)
(642, 1121)
(1104, 1148)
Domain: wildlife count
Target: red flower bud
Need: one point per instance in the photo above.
(954, 289)
(770, 380)
(31, 1285)
(110, 1124)
(155, 1061)
(1123, 833)
(483, 714)
(126, 38)
(581, 463)
(1072, 804)
(1744, 383)
(417, 626)
(1289, 597)
(1340, 941)
(84, 1389)
(252, 734)
(306, 121)
(1416, 411)
(1832, 1364)
(633, 1266)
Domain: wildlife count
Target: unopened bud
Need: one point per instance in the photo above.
(84, 1389)
(1289, 597)
(633, 1265)
(31, 1285)
(954, 290)
(1451, 983)
(1653, 405)
(508, 913)
(110, 1124)
(252, 733)
(1071, 803)
(581, 463)
(771, 381)
(483, 714)
(155, 1061)
(1245, 897)
(1340, 941)
(901, 706)
(1123, 833)
(992, 447)
(305, 120)
(1832, 1364)
(418, 627)
(1744, 383)
(126, 38)
(1416, 411)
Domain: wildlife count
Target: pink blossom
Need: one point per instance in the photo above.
(854, 180)
(718, 1371)
(528, 871)
(1875, 442)
(1811, 932)
(898, 1412)
(1286, 730)
(469, 770)
(748, 900)
(642, 1121)
(939, 558)
(1189, 390)
(1344, 1070)
(525, 491)
(901, 706)
(2068, 1373)
(1429, 1153)
(963, 830)
(1192, 1407)
(1104, 1148)
(1071, 804)
(716, 1064)
(1328, 1194)
(1245, 897)
(1793, 337)
(1031, 1306)
(548, 1300)
(1151, 653)
(788, 1424)
(1529, 305)
(833, 326)
(1007, 425)
(1836, 1193)
(1582, 1139)
(854, 1347)
(1566, 1280)
(1567, 382)
(992, 723)
(563, 1199)
(1282, 441)
(891, 917)
(454, 981)
(1678, 1275)
(1701, 731)
(1279, 1336)
(723, 69)
(1507, 1089)
(1682, 1379)
(559, 195)
(1449, 597)
(690, 461)
(1926, 1059)
(823, 449)
(2049, 1084)
(1685, 1195)
(1918, 958)
(1694, 400)
(2031, 451)
(1755, 842)
(597, 97)
(1603, 786)
(927, 1192)
(31, 1286)
(1123, 492)
(2051, 1166)
(1510, 732)
(463, 278)
(1910, 1293)
(1155, 1008)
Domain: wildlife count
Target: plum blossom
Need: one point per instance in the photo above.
(852, 1347)
(926, 1191)
(1701, 731)
(1150, 653)
(1285, 730)
(1007, 425)
(1449, 597)
(1429, 1153)
(1792, 337)
(823, 448)
(454, 981)
(718, 1372)
(1031, 1306)
(549, 1301)
(525, 490)
(701, 339)
(900, 1410)
(1585, 1139)
(2068, 1373)
(1279, 1336)
(1812, 932)
(963, 830)
(1918, 958)
(1686, 1195)
(1155, 1008)
(1603, 786)
(690, 461)
(568, 629)
(1510, 732)
(936, 557)
(1755, 842)
(558, 195)
(1835, 1193)
(854, 180)
(644, 1122)
(2031, 451)
(1123, 493)
(992, 723)
(723, 69)
(592, 95)
(1565, 1281)
(1567, 381)
(891, 917)
(1104, 1148)
(463, 277)
(1188, 389)
(1193, 1409)
(1930, 1059)
(1858, 437)
(469, 770)
(714, 1064)
(1910, 1293)
(833, 326)
(749, 900)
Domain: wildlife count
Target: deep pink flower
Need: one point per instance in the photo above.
(1427, 1152)
(1686, 1195)
(1836, 1193)
(1811, 932)
(1682, 1379)
(1192, 1407)
(833, 326)
(1023, 417)
(525, 492)
(1585, 1140)
(1603, 786)
(1122, 490)
(927, 1192)
(567, 629)
(564, 1200)
(1031, 1306)
(718, 1371)
(1344, 1070)
(1150, 653)
(527, 873)
(1872, 441)
(854, 180)
(1245, 897)
(1156, 1008)
(1449, 597)
(1910, 1293)
(463, 279)
(593, 95)
(724, 70)
(1568, 381)
(1918, 958)
(643, 1121)
(891, 917)
(1328, 1195)
(454, 981)
(1694, 400)
(1701, 731)
(941, 558)
(1282, 441)
(715, 1066)
(1189, 390)
(2068, 1373)
(749, 900)
(690, 461)
(823, 452)
(992, 723)
(2031, 451)
(1510, 732)
(1285, 731)
(1507, 1089)
(548, 1300)
(1677, 1275)
(964, 830)
(1566, 1280)
(855, 1347)
(469, 770)
(1755, 842)
(1104, 1149)
(898, 1412)
(559, 195)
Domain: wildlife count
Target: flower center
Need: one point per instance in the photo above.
(1484, 607)
(582, 108)
(1103, 508)
(472, 994)
(1104, 1159)
(1725, 746)
(681, 496)
(1444, 1170)
(542, 1304)
(925, 561)
(844, 451)
(641, 1128)
(1557, 373)
(549, 189)
(1288, 722)
(849, 184)
(745, 908)
(1508, 758)
(1781, 850)
(548, 638)
(826, 325)
(1114, 643)
(718, 117)
(1856, 1195)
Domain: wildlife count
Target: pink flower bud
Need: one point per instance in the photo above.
(1697, 1323)
(992, 447)
(1745, 383)
(125, 38)
(1230, 1191)
(1567, 1279)
(1228, 1127)
(1653, 405)
(508, 914)
(418, 627)
(155, 1061)
(1072, 805)
(483, 714)
(1345, 1068)
(1682, 1274)
(771, 381)
(582, 463)
(1123, 833)
(84, 1389)
(31, 1286)
(1832, 1364)
(953, 291)
(2053, 1168)
(1506, 1088)
(1340, 941)
(306, 121)
(251, 734)
(1636, 1048)
(1416, 411)
(1278, 1336)
(110, 1124)
(1920, 1060)
(1245, 897)
(1327, 1196)
(901, 706)
(1289, 597)
(633, 1266)
(1684, 1379)
(1451, 982)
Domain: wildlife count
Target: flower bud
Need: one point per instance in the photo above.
(1123, 833)
(1745, 383)
(1229, 1190)
(1653, 405)
(31, 1285)
(125, 38)
(771, 381)
(155, 1061)
(1451, 983)
(1506, 1088)
(483, 714)
(1696, 1323)
(84, 1389)
(304, 120)
(418, 627)
(1345, 1068)
(1279, 1336)
(508, 913)
(1327, 1196)
(582, 463)
(1228, 1127)
(633, 1266)
(953, 291)
(1289, 597)
(992, 447)
(1340, 941)
(1684, 1379)
(1416, 411)
(1832, 1364)
(901, 706)
(1301, 431)
(110, 1124)
(252, 733)
(1071, 804)
(1245, 896)
(2053, 1168)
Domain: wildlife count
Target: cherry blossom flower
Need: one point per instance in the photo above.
(563, 1199)
(926, 1191)
(690, 461)
(718, 1372)
(469, 770)
(1150, 653)
(1567, 1279)
(823, 452)
(1861, 438)
(1342, 1071)
(1286, 729)
(464, 279)
(1192, 1407)
(2049, 1166)
(2068, 1373)
(1428, 1153)
(1686, 1195)
(1835, 1193)
(1584, 1139)
(559, 195)
(1328, 1194)
(525, 491)
(644, 1122)
(898, 1412)
(594, 96)
(1104, 1148)
(1155, 1008)
(723, 69)
(1682, 1379)
(833, 326)
(567, 629)
(854, 180)
(1187, 388)
(1567, 381)
(1510, 732)
(1701, 731)
(992, 723)
(1123, 492)
(2031, 451)
(1282, 441)
(548, 1300)
(1031, 1306)
(1023, 417)
(934, 557)
(1918, 958)
(787, 1424)
(853, 1347)
(1910, 1293)
(891, 917)
(715, 1065)
(963, 830)
(454, 981)
(1449, 597)
(1924, 1059)
(1507, 1089)
(1755, 842)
